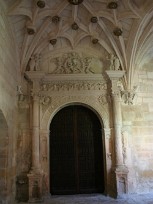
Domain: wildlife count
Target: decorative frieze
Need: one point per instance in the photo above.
(74, 86)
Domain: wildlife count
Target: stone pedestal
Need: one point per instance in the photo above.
(121, 181)
(35, 187)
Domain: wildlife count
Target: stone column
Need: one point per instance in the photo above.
(35, 127)
(35, 175)
(121, 170)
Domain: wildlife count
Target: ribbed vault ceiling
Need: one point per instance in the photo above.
(91, 24)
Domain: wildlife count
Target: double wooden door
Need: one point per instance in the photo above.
(76, 155)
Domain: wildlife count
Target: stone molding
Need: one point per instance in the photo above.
(61, 101)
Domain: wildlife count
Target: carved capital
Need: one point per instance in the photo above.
(128, 96)
(115, 77)
(35, 95)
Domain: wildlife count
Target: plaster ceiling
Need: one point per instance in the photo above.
(134, 18)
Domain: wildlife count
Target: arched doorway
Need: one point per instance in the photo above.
(76, 152)
(3, 156)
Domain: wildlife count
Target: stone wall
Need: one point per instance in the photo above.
(8, 104)
(138, 122)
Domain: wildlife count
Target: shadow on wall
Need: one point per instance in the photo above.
(3, 157)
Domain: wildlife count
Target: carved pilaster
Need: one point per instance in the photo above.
(35, 176)
(120, 170)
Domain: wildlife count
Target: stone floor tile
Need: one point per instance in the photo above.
(99, 199)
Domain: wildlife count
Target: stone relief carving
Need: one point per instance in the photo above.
(104, 99)
(73, 85)
(124, 145)
(45, 100)
(44, 148)
(72, 63)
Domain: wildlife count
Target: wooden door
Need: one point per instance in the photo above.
(76, 156)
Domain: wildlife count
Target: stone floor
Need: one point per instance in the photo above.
(99, 199)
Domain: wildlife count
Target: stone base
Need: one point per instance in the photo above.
(121, 181)
(35, 187)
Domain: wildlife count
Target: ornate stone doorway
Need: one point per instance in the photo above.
(76, 152)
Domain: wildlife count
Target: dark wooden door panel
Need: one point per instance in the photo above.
(76, 152)
(62, 155)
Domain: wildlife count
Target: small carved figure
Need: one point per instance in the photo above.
(87, 65)
(114, 62)
(34, 63)
(111, 62)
